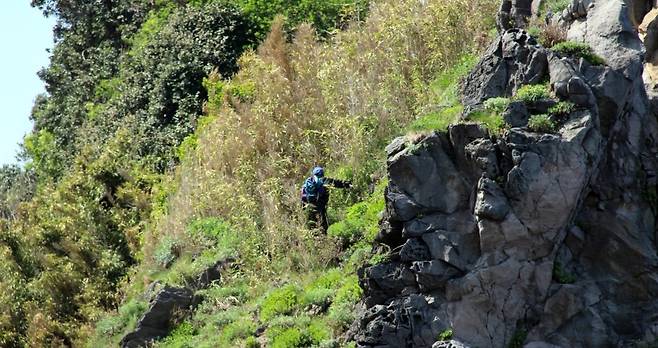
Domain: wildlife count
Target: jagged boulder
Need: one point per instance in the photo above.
(514, 59)
(158, 320)
(168, 305)
(553, 235)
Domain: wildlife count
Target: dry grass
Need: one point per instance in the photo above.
(297, 104)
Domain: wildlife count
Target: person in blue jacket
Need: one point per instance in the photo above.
(315, 197)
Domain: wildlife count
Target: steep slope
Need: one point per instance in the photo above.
(541, 232)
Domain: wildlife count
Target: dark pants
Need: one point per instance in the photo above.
(316, 216)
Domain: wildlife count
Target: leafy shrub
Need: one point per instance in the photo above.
(541, 123)
(497, 105)
(251, 342)
(297, 332)
(167, 251)
(518, 339)
(578, 50)
(216, 233)
(555, 6)
(532, 93)
(289, 338)
(341, 310)
(17, 185)
(562, 276)
(180, 337)
(492, 120)
(562, 108)
(242, 327)
(361, 219)
(280, 301)
(445, 335)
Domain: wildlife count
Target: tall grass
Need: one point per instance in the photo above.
(304, 102)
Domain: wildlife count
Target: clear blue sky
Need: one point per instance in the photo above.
(24, 36)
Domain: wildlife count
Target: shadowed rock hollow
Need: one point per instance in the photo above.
(532, 238)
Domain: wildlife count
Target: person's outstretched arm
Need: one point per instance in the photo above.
(338, 183)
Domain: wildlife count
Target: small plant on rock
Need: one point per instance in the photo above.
(532, 93)
(498, 104)
(445, 335)
(561, 275)
(562, 108)
(518, 338)
(555, 6)
(541, 123)
(578, 50)
(547, 34)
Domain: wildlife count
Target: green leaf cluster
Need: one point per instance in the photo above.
(578, 50)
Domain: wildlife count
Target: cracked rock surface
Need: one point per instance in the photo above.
(547, 238)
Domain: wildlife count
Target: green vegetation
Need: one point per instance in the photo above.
(541, 123)
(578, 50)
(562, 108)
(445, 91)
(532, 93)
(518, 339)
(555, 6)
(493, 121)
(498, 105)
(445, 335)
(562, 276)
(175, 134)
(491, 114)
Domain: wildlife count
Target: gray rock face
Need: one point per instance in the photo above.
(514, 59)
(168, 305)
(158, 320)
(549, 235)
(514, 14)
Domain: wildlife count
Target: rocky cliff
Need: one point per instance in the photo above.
(529, 237)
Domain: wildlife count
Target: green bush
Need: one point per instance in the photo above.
(445, 335)
(180, 337)
(251, 342)
(498, 104)
(492, 120)
(341, 310)
(532, 93)
(289, 338)
(518, 339)
(242, 328)
(167, 251)
(578, 50)
(562, 108)
(562, 276)
(280, 301)
(322, 290)
(361, 219)
(215, 233)
(296, 332)
(541, 123)
(555, 6)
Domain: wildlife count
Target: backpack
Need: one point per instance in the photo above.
(312, 189)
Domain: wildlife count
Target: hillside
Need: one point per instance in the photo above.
(502, 159)
(175, 135)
